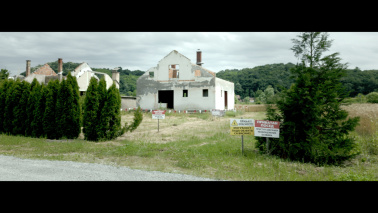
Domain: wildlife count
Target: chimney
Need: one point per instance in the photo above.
(60, 65)
(60, 69)
(27, 68)
(115, 76)
(199, 57)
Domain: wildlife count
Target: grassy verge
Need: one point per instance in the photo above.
(195, 144)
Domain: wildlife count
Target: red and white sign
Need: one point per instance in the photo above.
(268, 129)
(158, 114)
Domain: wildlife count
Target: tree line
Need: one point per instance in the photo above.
(249, 81)
(54, 111)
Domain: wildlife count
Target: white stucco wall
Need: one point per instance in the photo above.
(84, 73)
(195, 99)
(40, 78)
(184, 67)
(220, 87)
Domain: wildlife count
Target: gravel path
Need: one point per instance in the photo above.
(18, 169)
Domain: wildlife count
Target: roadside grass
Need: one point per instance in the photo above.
(195, 144)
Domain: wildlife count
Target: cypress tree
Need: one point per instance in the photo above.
(112, 113)
(36, 122)
(91, 108)
(20, 98)
(49, 122)
(32, 102)
(3, 92)
(75, 125)
(102, 118)
(8, 109)
(67, 118)
(61, 109)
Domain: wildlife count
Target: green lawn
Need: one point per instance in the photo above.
(194, 144)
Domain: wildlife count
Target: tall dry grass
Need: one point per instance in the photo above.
(251, 108)
(367, 129)
(368, 114)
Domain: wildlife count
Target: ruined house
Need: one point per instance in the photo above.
(179, 84)
(83, 74)
(43, 74)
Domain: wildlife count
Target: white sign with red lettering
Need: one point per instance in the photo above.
(158, 114)
(268, 129)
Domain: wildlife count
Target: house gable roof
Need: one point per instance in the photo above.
(45, 70)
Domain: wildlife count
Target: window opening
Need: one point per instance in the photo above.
(205, 92)
(185, 93)
(151, 74)
(173, 70)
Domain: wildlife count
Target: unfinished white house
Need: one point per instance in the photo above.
(181, 85)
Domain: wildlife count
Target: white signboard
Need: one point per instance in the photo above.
(217, 112)
(268, 129)
(158, 114)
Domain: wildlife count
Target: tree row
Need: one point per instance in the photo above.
(54, 111)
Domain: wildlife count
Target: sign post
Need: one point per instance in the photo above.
(241, 127)
(158, 114)
(268, 129)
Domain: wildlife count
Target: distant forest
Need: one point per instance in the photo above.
(247, 81)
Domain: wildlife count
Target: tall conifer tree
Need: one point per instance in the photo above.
(8, 108)
(20, 97)
(91, 108)
(75, 125)
(102, 118)
(31, 106)
(3, 94)
(36, 122)
(65, 113)
(112, 113)
(314, 127)
(49, 122)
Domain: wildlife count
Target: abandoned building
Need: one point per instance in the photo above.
(182, 85)
(83, 74)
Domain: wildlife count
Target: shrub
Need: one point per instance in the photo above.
(372, 97)
(138, 118)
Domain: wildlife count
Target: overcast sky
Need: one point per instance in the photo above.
(143, 50)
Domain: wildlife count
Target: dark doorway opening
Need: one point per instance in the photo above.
(166, 96)
(225, 100)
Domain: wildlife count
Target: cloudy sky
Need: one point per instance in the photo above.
(143, 50)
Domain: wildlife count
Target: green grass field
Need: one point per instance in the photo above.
(200, 145)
